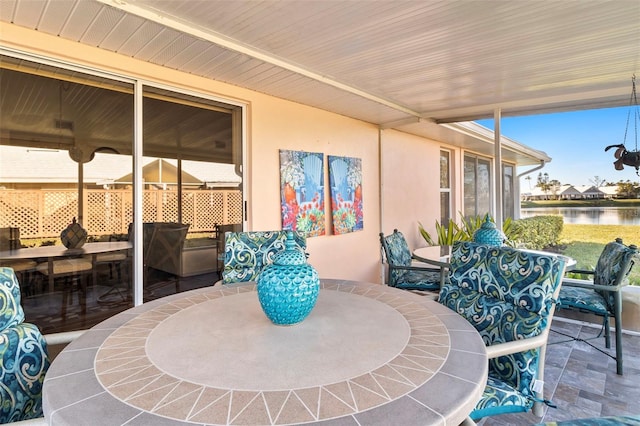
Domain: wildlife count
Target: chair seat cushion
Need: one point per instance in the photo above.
(417, 280)
(19, 265)
(583, 298)
(66, 266)
(500, 398)
(111, 257)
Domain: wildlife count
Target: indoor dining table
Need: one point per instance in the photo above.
(50, 254)
(367, 354)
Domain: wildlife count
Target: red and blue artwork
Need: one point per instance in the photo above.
(302, 192)
(345, 179)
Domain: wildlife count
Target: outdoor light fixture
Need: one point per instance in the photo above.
(623, 156)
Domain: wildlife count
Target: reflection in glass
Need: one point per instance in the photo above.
(66, 138)
(66, 152)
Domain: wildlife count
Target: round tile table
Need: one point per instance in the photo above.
(367, 354)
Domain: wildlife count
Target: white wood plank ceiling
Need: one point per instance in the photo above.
(385, 62)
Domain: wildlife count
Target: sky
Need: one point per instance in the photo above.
(575, 141)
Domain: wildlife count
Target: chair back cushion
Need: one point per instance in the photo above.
(11, 313)
(613, 267)
(246, 253)
(506, 294)
(396, 249)
(23, 356)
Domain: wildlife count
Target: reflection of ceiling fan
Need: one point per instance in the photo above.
(80, 156)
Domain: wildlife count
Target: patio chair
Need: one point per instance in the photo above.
(23, 356)
(602, 295)
(509, 296)
(246, 253)
(404, 271)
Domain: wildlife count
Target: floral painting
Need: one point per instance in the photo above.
(345, 178)
(302, 192)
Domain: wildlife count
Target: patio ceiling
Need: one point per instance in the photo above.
(397, 64)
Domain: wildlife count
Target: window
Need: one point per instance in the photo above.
(477, 186)
(508, 199)
(445, 186)
(67, 152)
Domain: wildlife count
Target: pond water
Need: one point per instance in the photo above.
(589, 215)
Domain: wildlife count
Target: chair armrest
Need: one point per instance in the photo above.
(515, 346)
(573, 282)
(437, 264)
(581, 271)
(414, 268)
(62, 338)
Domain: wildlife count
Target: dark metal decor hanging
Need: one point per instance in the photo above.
(623, 156)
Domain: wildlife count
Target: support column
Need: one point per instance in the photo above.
(497, 167)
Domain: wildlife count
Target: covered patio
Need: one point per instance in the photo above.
(396, 84)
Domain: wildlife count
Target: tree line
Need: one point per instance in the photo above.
(625, 189)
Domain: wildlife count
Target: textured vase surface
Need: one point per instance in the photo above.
(489, 234)
(74, 235)
(288, 288)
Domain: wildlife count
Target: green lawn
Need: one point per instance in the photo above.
(585, 243)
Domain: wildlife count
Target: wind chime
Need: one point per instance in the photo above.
(623, 156)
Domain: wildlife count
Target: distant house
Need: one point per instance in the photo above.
(590, 192)
(610, 191)
(569, 192)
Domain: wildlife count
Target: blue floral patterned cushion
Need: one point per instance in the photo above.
(612, 260)
(23, 357)
(613, 267)
(11, 312)
(507, 294)
(246, 253)
(398, 254)
(583, 298)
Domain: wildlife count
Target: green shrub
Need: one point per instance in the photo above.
(538, 232)
(451, 232)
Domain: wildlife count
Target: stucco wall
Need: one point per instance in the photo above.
(410, 163)
(411, 185)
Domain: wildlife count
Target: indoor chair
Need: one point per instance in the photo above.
(72, 274)
(403, 271)
(220, 233)
(164, 252)
(116, 262)
(602, 295)
(23, 268)
(509, 296)
(23, 356)
(246, 253)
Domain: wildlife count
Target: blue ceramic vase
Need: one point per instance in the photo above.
(489, 234)
(288, 288)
